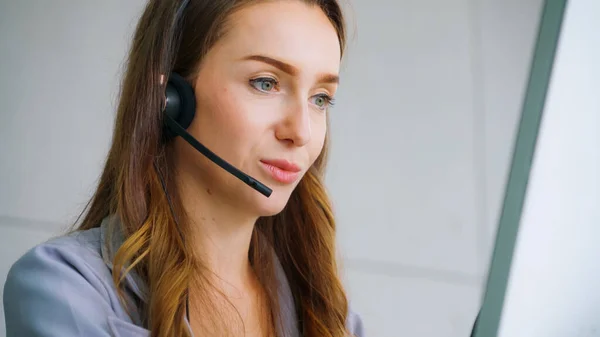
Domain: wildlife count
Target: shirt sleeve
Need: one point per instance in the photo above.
(53, 291)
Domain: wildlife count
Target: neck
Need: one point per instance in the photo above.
(221, 235)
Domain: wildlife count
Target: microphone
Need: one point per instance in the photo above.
(179, 110)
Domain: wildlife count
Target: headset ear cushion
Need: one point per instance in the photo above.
(180, 100)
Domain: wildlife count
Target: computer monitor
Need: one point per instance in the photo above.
(544, 276)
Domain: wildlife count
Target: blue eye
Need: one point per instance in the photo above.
(264, 84)
(323, 101)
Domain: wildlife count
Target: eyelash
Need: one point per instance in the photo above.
(329, 101)
(263, 79)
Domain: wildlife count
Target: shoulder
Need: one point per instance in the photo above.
(85, 244)
(354, 323)
(60, 287)
(58, 260)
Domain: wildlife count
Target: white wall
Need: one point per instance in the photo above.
(422, 134)
(58, 79)
(557, 248)
(424, 124)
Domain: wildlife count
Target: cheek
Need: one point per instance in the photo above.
(241, 117)
(229, 123)
(218, 112)
(318, 139)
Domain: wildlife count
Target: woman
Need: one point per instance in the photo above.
(173, 245)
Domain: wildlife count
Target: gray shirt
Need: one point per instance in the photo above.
(64, 287)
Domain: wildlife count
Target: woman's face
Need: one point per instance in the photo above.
(262, 95)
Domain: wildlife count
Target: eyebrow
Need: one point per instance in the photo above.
(290, 69)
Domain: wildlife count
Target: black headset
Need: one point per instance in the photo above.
(179, 105)
(178, 113)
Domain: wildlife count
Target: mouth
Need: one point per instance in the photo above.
(282, 171)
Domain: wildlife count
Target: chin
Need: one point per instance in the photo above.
(272, 205)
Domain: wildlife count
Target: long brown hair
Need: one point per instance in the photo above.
(174, 36)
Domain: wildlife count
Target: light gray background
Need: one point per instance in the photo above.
(422, 137)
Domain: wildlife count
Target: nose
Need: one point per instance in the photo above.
(295, 127)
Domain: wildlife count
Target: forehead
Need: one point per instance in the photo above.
(290, 31)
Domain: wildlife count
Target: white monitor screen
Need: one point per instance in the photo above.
(544, 276)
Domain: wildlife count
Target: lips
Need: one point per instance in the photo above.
(281, 170)
(282, 164)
